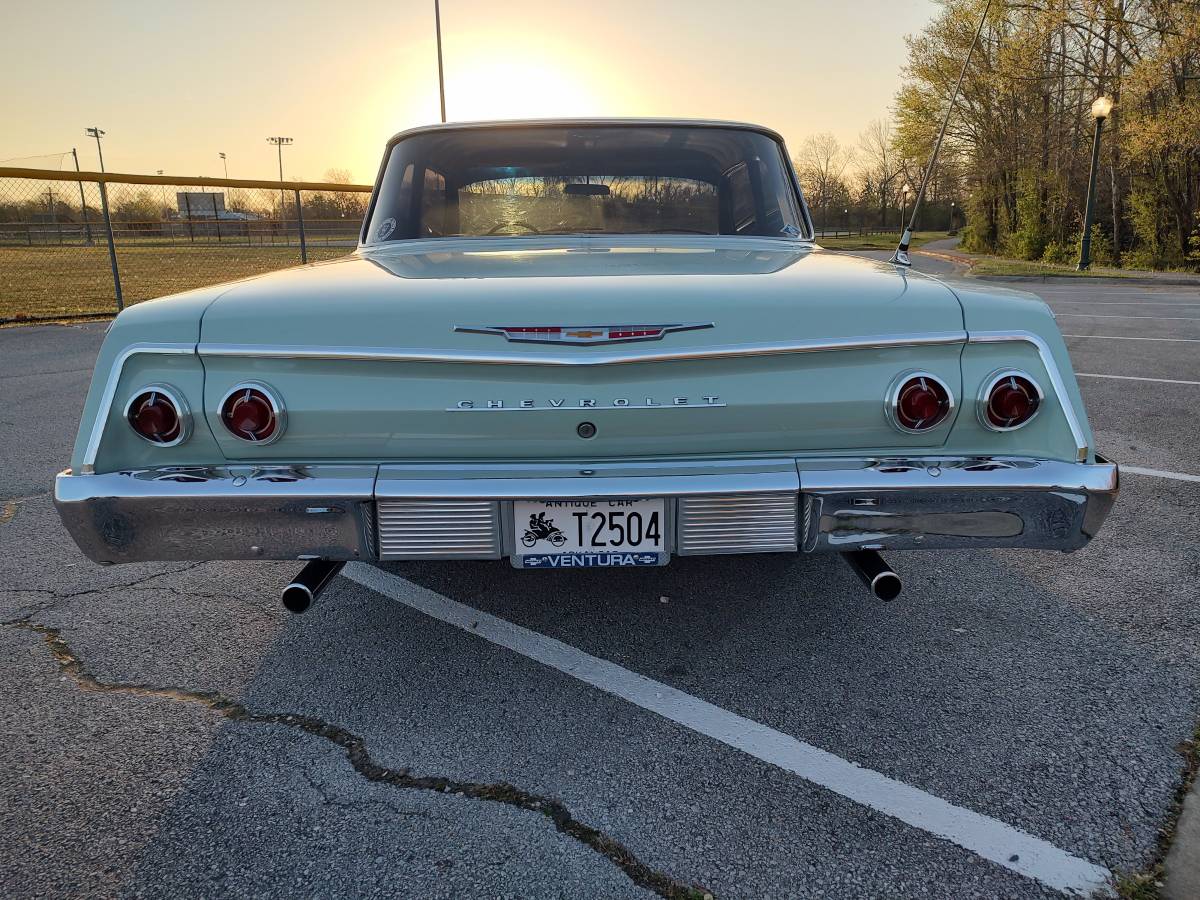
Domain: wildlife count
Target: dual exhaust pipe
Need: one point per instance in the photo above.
(875, 573)
(317, 573)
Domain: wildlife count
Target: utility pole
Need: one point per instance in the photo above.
(279, 143)
(437, 21)
(50, 205)
(97, 133)
(87, 226)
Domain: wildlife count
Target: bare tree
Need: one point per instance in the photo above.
(879, 162)
(821, 165)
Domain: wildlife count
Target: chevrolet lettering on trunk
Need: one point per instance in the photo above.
(594, 272)
(705, 400)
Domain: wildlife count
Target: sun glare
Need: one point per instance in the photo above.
(492, 87)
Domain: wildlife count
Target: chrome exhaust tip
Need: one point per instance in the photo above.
(308, 585)
(875, 573)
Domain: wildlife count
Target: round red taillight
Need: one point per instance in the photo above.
(253, 413)
(1009, 400)
(918, 402)
(157, 414)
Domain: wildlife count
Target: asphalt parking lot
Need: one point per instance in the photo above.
(740, 727)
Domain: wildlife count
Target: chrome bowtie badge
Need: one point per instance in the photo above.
(581, 334)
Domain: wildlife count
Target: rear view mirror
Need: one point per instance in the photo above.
(586, 190)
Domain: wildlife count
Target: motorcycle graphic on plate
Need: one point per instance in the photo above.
(542, 529)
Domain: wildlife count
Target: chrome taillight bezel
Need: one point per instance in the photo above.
(174, 396)
(277, 409)
(985, 394)
(891, 402)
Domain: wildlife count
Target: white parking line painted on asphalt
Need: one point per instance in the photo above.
(1150, 318)
(1135, 378)
(1122, 337)
(1159, 473)
(987, 837)
(1065, 299)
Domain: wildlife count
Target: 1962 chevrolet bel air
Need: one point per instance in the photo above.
(583, 343)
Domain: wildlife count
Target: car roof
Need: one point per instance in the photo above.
(580, 123)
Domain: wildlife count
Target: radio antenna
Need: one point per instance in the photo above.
(900, 257)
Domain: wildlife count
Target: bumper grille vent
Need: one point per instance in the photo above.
(737, 523)
(438, 529)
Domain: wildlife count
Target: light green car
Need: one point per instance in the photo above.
(583, 343)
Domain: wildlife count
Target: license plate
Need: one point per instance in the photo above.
(568, 534)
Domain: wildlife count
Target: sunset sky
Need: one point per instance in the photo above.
(175, 83)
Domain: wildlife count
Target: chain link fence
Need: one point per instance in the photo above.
(87, 245)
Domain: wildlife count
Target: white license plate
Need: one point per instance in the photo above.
(563, 534)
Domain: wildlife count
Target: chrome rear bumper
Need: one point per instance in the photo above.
(463, 511)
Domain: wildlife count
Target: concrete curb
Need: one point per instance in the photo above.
(1123, 279)
(1181, 879)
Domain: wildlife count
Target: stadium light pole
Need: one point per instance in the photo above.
(1101, 107)
(225, 163)
(437, 23)
(97, 133)
(279, 143)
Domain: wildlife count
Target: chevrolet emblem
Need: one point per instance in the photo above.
(582, 334)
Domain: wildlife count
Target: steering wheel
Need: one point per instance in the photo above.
(495, 228)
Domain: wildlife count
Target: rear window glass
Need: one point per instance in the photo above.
(584, 180)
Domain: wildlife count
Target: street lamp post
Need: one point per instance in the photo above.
(905, 191)
(279, 143)
(1101, 107)
(953, 210)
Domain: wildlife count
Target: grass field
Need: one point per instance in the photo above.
(876, 241)
(999, 265)
(49, 282)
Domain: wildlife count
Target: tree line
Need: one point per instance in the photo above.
(1018, 150)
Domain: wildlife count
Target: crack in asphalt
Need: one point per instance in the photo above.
(71, 665)
(137, 584)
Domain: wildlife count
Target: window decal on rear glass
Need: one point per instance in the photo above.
(386, 227)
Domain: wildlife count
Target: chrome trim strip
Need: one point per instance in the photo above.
(585, 358)
(1056, 379)
(104, 410)
(393, 484)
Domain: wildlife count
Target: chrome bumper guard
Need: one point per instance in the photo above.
(345, 512)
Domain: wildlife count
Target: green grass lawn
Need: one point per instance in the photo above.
(876, 241)
(48, 282)
(999, 265)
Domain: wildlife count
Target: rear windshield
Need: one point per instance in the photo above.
(584, 180)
